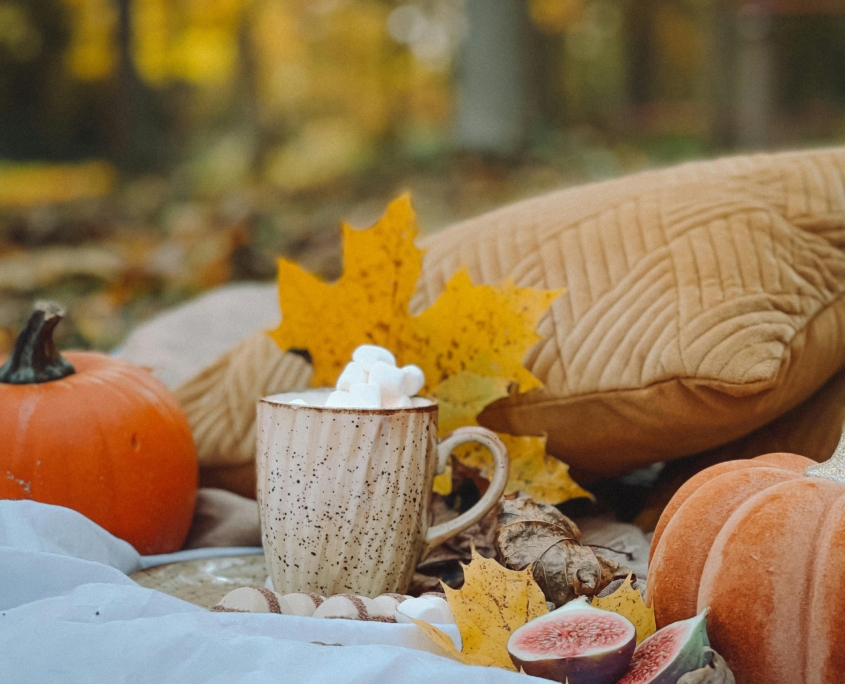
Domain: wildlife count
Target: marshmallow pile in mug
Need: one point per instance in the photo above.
(372, 380)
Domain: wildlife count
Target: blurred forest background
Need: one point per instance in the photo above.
(151, 149)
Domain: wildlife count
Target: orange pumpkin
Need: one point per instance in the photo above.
(761, 542)
(96, 434)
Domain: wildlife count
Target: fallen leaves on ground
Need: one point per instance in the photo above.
(25, 185)
(628, 602)
(492, 603)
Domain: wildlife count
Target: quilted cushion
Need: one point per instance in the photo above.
(702, 302)
(811, 429)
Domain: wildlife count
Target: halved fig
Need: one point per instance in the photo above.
(668, 654)
(576, 642)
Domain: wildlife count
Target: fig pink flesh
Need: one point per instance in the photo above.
(653, 655)
(576, 636)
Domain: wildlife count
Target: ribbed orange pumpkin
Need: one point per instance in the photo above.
(762, 543)
(106, 439)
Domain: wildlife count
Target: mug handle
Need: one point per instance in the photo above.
(440, 533)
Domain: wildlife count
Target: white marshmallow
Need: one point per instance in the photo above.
(368, 354)
(297, 402)
(339, 399)
(389, 386)
(413, 380)
(302, 604)
(431, 609)
(416, 402)
(351, 375)
(394, 401)
(386, 605)
(346, 606)
(252, 600)
(388, 377)
(364, 395)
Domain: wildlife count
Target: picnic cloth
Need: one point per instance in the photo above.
(69, 613)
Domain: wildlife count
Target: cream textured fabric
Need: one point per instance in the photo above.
(703, 301)
(812, 429)
(220, 401)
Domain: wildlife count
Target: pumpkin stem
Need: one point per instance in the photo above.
(35, 358)
(834, 467)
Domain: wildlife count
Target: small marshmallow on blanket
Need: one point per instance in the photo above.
(431, 609)
(413, 380)
(252, 600)
(302, 603)
(386, 604)
(347, 606)
(365, 395)
(367, 355)
(351, 375)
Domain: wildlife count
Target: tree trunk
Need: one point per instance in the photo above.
(492, 100)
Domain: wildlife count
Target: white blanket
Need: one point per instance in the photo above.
(69, 614)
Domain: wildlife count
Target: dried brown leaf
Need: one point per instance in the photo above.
(521, 508)
(715, 672)
(481, 536)
(536, 533)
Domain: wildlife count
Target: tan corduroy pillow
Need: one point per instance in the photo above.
(703, 301)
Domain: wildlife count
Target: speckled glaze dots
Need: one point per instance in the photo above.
(343, 493)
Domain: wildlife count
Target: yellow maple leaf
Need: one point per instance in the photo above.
(367, 305)
(470, 342)
(542, 477)
(628, 602)
(481, 329)
(492, 603)
(461, 397)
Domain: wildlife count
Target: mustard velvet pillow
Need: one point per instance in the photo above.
(703, 301)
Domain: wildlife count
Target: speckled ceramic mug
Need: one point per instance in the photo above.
(344, 493)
